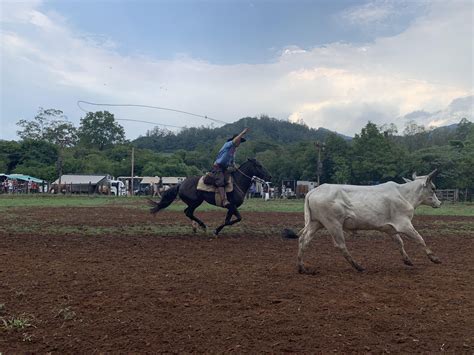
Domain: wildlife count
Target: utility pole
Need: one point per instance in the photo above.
(319, 146)
(133, 163)
(60, 170)
(62, 142)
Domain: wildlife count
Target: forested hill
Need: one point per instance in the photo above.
(261, 129)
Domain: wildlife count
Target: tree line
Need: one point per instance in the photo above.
(376, 154)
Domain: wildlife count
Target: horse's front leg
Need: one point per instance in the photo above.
(228, 222)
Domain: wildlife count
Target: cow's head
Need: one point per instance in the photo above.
(428, 189)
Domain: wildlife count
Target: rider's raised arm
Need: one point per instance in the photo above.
(237, 139)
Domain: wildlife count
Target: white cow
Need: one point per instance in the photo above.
(387, 207)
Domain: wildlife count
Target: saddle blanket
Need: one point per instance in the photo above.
(229, 186)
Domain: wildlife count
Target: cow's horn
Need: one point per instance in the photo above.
(414, 176)
(433, 174)
(406, 180)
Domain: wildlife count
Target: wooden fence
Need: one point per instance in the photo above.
(448, 195)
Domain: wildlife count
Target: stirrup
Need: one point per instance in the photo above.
(225, 203)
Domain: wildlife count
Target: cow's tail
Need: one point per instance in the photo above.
(166, 199)
(307, 217)
(289, 233)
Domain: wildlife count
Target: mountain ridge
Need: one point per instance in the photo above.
(261, 129)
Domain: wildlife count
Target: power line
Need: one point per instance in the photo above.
(151, 107)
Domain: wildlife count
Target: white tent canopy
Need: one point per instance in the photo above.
(82, 179)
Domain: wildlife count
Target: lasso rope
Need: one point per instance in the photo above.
(79, 102)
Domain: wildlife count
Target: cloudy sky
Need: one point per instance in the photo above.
(333, 64)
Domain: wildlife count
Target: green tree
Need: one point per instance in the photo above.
(61, 133)
(466, 159)
(443, 158)
(37, 158)
(389, 129)
(152, 168)
(415, 136)
(100, 130)
(336, 161)
(10, 155)
(375, 157)
(342, 171)
(49, 125)
(463, 129)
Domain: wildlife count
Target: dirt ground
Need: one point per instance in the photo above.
(186, 292)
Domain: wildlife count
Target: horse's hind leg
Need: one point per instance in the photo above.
(228, 222)
(189, 212)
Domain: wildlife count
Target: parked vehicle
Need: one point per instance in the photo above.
(143, 189)
(117, 188)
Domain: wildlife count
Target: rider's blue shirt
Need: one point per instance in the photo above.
(226, 154)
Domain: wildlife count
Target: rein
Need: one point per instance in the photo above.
(248, 177)
(244, 174)
(238, 188)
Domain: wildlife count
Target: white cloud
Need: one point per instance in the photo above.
(338, 86)
(17, 11)
(462, 107)
(369, 13)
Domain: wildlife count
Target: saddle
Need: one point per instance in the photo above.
(202, 186)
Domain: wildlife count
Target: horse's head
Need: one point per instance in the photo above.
(257, 169)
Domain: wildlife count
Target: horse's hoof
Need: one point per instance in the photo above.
(215, 233)
(359, 268)
(434, 259)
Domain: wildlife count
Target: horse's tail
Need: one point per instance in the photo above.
(166, 199)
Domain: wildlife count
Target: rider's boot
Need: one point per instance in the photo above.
(224, 202)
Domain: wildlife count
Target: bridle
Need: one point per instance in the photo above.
(251, 178)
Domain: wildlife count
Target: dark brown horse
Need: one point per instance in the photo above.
(189, 194)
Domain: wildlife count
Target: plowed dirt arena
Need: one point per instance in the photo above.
(112, 278)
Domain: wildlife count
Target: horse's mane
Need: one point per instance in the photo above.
(248, 161)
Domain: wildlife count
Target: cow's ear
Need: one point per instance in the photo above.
(406, 180)
(414, 176)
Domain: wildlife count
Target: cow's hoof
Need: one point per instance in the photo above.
(306, 271)
(434, 258)
(215, 233)
(407, 262)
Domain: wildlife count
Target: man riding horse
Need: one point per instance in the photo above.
(225, 160)
(193, 195)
